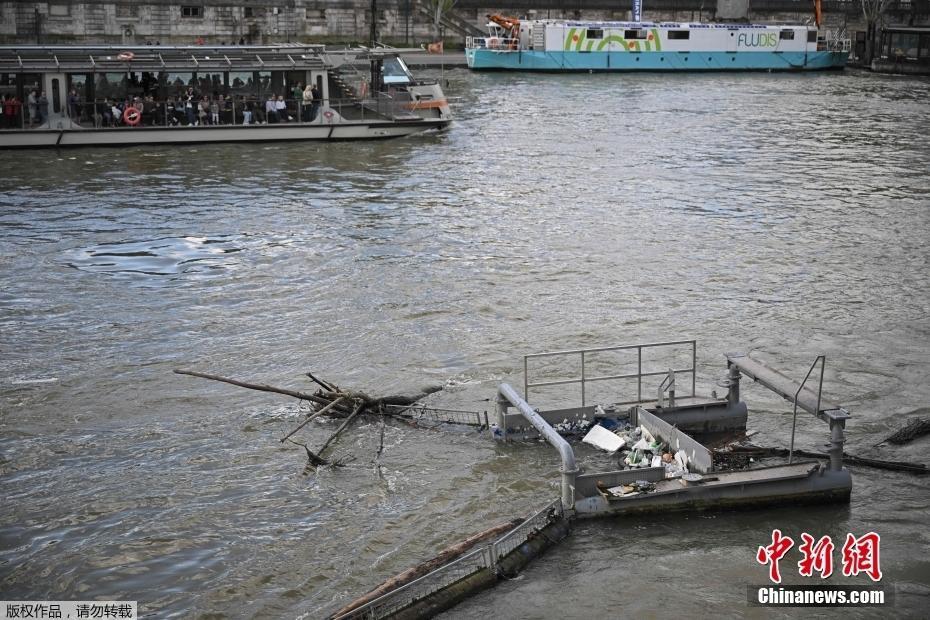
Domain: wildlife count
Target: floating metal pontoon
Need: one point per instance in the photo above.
(583, 494)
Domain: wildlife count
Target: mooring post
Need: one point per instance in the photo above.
(837, 438)
(502, 406)
(733, 383)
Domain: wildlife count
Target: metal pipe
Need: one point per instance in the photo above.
(694, 368)
(569, 469)
(582, 379)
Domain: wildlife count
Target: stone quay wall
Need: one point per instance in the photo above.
(399, 22)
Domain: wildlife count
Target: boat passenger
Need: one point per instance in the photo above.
(32, 103)
(73, 106)
(189, 107)
(203, 110)
(271, 109)
(307, 104)
(281, 108)
(42, 104)
(317, 100)
(215, 112)
(246, 112)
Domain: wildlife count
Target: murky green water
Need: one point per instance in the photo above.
(784, 214)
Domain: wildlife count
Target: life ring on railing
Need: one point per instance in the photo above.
(125, 56)
(132, 116)
(328, 114)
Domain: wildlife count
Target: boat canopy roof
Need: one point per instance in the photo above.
(97, 59)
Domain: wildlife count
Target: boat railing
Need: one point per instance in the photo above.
(584, 357)
(173, 112)
(497, 44)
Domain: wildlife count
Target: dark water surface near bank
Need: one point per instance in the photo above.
(784, 214)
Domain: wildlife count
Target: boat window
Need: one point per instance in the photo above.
(681, 35)
(211, 83)
(176, 83)
(271, 83)
(242, 83)
(395, 71)
(811, 36)
(80, 84)
(8, 84)
(787, 35)
(595, 33)
(634, 34)
(56, 95)
(111, 85)
(31, 82)
(192, 11)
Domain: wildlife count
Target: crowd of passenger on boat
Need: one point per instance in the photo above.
(189, 109)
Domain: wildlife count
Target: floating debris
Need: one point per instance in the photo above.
(914, 429)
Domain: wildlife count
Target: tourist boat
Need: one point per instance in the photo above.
(558, 45)
(684, 424)
(66, 96)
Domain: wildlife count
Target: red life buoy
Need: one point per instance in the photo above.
(132, 116)
(126, 56)
(329, 115)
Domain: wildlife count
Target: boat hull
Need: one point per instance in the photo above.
(566, 61)
(42, 138)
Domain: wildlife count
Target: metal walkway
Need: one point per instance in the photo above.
(786, 387)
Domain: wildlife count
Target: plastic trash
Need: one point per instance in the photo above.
(657, 461)
(600, 437)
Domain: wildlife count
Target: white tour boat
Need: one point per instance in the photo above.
(105, 95)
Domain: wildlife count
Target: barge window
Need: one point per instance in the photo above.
(811, 36)
(680, 35)
(126, 11)
(595, 33)
(58, 10)
(786, 35)
(194, 12)
(634, 34)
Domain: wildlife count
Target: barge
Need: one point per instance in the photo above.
(564, 46)
(676, 423)
(62, 96)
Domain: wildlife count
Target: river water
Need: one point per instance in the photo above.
(788, 215)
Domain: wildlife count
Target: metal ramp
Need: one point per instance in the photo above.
(787, 388)
(795, 393)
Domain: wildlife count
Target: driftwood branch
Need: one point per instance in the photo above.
(358, 407)
(311, 417)
(323, 384)
(914, 429)
(445, 556)
(313, 459)
(314, 398)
